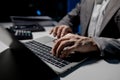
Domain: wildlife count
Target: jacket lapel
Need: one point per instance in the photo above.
(88, 8)
(109, 12)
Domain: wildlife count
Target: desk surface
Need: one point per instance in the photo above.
(95, 70)
(91, 70)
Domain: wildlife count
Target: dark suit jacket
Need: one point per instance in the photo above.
(108, 40)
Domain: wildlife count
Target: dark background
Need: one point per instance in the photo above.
(53, 8)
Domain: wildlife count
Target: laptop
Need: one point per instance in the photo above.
(41, 47)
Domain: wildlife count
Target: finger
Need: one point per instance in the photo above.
(60, 48)
(55, 40)
(51, 31)
(57, 44)
(67, 52)
(63, 46)
(59, 32)
(63, 32)
(55, 31)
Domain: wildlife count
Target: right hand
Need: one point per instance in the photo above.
(60, 31)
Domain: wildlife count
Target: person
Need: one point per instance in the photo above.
(99, 22)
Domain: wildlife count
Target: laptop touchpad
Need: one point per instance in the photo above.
(50, 44)
(49, 41)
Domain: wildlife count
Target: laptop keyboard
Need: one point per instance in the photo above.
(43, 52)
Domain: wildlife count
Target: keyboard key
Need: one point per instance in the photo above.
(43, 52)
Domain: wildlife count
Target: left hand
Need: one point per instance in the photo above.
(71, 42)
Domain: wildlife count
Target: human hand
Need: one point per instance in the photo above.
(71, 42)
(60, 30)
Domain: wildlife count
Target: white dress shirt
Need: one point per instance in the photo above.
(97, 17)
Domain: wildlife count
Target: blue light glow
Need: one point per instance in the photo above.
(38, 12)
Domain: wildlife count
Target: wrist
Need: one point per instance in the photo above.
(95, 47)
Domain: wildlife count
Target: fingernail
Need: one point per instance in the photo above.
(51, 52)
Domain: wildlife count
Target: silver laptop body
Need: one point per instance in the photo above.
(48, 40)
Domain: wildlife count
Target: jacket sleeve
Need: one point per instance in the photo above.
(110, 46)
(72, 18)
